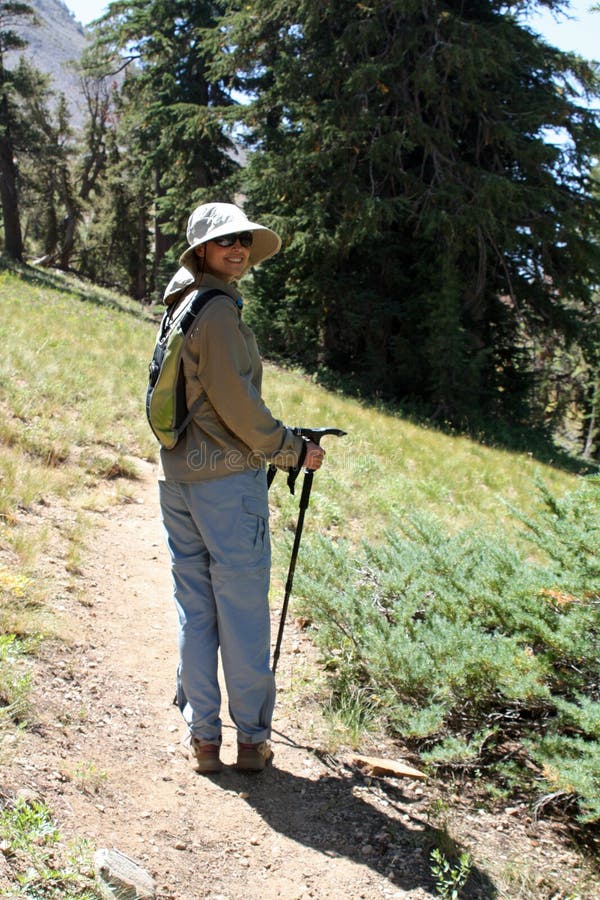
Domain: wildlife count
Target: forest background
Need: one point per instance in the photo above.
(432, 169)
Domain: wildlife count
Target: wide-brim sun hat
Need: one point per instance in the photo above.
(213, 220)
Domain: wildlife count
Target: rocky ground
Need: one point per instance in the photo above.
(107, 753)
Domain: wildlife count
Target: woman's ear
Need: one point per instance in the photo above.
(200, 251)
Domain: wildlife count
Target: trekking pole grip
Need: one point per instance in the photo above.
(315, 434)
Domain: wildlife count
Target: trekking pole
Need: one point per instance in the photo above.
(314, 435)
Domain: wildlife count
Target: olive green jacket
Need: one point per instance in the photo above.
(232, 429)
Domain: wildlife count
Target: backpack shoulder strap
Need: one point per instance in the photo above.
(195, 305)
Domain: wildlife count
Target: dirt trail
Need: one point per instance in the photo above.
(111, 760)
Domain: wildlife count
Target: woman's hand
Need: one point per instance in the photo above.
(314, 456)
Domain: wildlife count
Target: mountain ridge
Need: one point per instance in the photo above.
(53, 46)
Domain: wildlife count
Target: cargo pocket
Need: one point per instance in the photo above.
(255, 525)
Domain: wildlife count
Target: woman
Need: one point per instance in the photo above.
(213, 495)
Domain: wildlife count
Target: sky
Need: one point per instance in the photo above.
(86, 11)
(581, 35)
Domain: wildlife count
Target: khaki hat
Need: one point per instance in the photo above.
(213, 220)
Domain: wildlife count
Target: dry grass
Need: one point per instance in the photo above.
(386, 466)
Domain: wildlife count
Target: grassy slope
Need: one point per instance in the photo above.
(72, 382)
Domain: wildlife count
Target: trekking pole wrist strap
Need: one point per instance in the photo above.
(294, 471)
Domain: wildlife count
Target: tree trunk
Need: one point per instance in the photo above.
(9, 194)
(66, 249)
(592, 445)
(140, 287)
(70, 220)
(162, 242)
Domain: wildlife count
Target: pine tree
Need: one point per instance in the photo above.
(431, 230)
(165, 108)
(10, 16)
(591, 354)
(38, 137)
(116, 236)
(45, 163)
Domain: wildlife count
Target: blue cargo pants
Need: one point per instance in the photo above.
(218, 536)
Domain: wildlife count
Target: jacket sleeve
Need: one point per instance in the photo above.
(225, 370)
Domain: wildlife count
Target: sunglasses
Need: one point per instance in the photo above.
(228, 240)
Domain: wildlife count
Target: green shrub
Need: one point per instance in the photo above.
(37, 862)
(466, 644)
(14, 682)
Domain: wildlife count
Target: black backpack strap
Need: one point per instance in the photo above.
(196, 304)
(194, 308)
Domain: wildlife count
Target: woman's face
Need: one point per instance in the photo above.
(226, 263)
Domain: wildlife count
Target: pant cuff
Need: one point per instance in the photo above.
(255, 738)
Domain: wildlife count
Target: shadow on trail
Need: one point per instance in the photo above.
(343, 813)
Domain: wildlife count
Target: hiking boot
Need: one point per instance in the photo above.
(254, 757)
(207, 756)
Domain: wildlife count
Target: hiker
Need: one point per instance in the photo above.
(213, 495)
